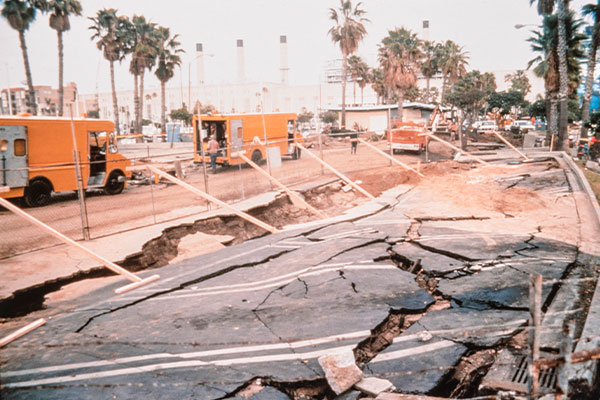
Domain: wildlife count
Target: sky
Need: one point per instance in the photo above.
(485, 29)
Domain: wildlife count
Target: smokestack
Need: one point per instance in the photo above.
(199, 64)
(283, 59)
(240, 61)
(426, 30)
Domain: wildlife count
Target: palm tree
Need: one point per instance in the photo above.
(59, 21)
(399, 56)
(359, 71)
(518, 81)
(546, 7)
(348, 31)
(594, 11)
(168, 60)
(377, 83)
(144, 49)
(430, 63)
(110, 41)
(453, 64)
(20, 14)
(546, 64)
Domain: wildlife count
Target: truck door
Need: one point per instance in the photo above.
(97, 157)
(13, 148)
(237, 135)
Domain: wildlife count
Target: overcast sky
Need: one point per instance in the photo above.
(485, 28)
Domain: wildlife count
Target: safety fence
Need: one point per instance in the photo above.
(147, 200)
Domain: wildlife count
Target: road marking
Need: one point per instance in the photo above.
(226, 362)
(393, 355)
(260, 285)
(207, 353)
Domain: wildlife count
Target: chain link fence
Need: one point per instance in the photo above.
(147, 201)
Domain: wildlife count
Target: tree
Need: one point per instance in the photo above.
(20, 14)
(329, 117)
(507, 102)
(200, 108)
(377, 83)
(305, 116)
(546, 7)
(519, 82)
(430, 62)
(470, 94)
(545, 42)
(399, 55)
(59, 21)
(359, 71)
(594, 11)
(348, 31)
(109, 35)
(143, 46)
(168, 60)
(181, 114)
(453, 63)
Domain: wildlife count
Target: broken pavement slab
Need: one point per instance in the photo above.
(340, 370)
(373, 386)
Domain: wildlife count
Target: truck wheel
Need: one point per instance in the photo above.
(256, 156)
(38, 193)
(113, 184)
(296, 154)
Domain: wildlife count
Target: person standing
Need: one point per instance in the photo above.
(213, 150)
(353, 142)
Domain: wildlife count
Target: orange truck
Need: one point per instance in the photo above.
(406, 136)
(37, 157)
(247, 132)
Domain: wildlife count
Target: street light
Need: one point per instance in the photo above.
(520, 26)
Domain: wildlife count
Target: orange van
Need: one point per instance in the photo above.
(37, 157)
(237, 132)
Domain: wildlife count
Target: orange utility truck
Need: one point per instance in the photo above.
(407, 136)
(37, 157)
(237, 132)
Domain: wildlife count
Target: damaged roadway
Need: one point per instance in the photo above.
(414, 283)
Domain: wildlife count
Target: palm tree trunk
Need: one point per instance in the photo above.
(31, 103)
(114, 97)
(362, 98)
(427, 93)
(61, 91)
(589, 83)
(443, 99)
(163, 108)
(136, 103)
(344, 69)
(553, 121)
(400, 104)
(561, 144)
(354, 93)
(141, 103)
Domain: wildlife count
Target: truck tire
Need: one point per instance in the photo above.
(296, 154)
(256, 157)
(113, 184)
(38, 193)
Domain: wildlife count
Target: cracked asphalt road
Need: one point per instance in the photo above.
(269, 307)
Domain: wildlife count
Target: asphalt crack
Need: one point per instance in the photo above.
(183, 286)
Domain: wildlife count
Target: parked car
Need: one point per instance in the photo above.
(486, 126)
(521, 127)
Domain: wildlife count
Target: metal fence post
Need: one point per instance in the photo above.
(535, 318)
